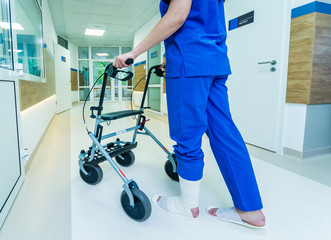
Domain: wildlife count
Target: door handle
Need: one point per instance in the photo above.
(273, 62)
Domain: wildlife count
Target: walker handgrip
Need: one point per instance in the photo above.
(129, 61)
(130, 75)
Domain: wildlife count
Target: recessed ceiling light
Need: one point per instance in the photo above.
(16, 50)
(102, 54)
(94, 32)
(15, 26)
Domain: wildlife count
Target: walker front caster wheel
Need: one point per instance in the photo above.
(142, 206)
(125, 159)
(170, 171)
(94, 174)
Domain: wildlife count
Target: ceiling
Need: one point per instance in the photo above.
(120, 19)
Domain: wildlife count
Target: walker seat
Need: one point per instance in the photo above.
(120, 114)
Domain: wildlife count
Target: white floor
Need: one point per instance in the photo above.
(296, 206)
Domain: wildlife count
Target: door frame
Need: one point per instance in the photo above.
(13, 76)
(283, 75)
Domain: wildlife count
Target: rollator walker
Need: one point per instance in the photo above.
(134, 202)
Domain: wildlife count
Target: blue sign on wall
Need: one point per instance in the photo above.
(241, 21)
(154, 54)
(63, 59)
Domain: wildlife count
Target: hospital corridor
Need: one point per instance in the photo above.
(122, 120)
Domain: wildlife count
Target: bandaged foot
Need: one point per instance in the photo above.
(185, 205)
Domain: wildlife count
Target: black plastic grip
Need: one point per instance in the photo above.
(129, 61)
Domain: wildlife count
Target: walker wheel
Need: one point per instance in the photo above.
(142, 208)
(125, 159)
(94, 174)
(170, 171)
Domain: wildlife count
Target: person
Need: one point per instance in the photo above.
(197, 68)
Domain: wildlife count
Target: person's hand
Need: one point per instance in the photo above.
(163, 65)
(120, 60)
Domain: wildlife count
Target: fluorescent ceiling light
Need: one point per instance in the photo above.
(16, 50)
(94, 32)
(102, 54)
(15, 26)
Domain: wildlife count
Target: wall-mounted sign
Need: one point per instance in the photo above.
(63, 59)
(154, 54)
(241, 21)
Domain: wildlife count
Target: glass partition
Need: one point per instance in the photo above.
(92, 62)
(105, 52)
(29, 37)
(83, 53)
(6, 55)
(126, 49)
(98, 69)
(83, 79)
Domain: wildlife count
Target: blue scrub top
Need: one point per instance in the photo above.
(199, 45)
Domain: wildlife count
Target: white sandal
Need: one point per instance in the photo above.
(230, 215)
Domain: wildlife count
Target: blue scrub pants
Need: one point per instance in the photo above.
(198, 105)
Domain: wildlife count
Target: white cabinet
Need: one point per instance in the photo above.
(11, 172)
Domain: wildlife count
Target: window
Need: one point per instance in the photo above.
(83, 53)
(6, 54)
(126, 49)
(84, 79)
(29, 37)
(92, 62)
(105, 53)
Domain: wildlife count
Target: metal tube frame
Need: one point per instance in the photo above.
(96, 145)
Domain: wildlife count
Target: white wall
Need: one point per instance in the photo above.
(73, 55)
(50, 36)
(294, 126)
(34, 122)
(142, 32)
(35, 119)
(318, 128)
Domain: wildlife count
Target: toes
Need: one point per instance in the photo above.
(213, 211)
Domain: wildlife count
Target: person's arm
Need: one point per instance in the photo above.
(168, 25)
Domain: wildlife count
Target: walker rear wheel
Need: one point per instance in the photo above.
(170, 171)
(94, 174)
(142, 208)
(125, 159)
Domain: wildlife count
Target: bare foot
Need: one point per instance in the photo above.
(194, 211)
(255, 218)
(213, 211)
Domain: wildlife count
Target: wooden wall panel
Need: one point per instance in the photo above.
(32, 93)
(321, 72)
(300, 59)
(74, 80)
(139, 73)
